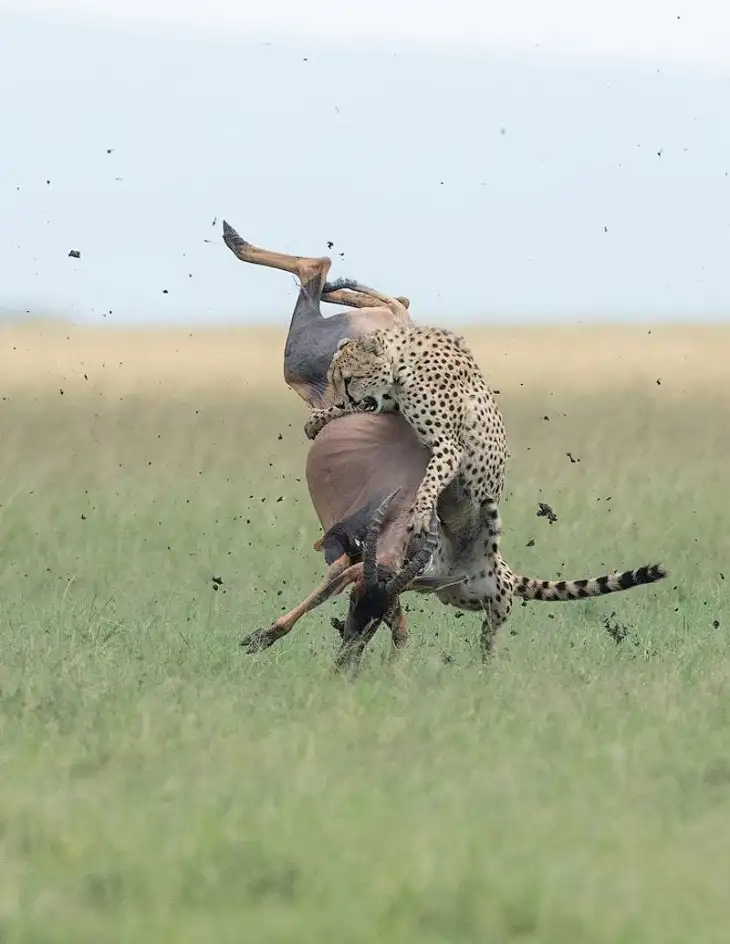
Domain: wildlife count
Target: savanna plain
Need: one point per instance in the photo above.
(157, 784)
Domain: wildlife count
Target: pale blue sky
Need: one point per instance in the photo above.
(516, 166)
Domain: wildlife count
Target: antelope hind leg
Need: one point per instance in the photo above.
(306, 268)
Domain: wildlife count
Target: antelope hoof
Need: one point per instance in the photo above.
(261, 639)
(347, 660)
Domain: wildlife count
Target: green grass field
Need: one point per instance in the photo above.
(156, 784)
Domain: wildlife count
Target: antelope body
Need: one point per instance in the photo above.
(355, 464)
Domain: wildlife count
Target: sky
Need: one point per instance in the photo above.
(511, 162)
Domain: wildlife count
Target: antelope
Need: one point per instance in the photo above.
(363, 471)
(358, 471)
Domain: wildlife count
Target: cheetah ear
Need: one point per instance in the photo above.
(370, 344)
(342, 342)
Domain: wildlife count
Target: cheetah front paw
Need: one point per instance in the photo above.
(316, 422)
(420, 518)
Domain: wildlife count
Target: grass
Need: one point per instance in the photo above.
(158, 785)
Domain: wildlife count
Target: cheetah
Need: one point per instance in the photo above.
(431, 377)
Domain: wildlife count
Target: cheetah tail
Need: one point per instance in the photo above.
(552, 590)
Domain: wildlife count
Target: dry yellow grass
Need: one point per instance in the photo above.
(247, 360)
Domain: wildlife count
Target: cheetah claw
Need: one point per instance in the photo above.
(420, 522)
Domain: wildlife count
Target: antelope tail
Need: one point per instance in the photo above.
(530, 588)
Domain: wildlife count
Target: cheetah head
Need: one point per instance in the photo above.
(361, 375)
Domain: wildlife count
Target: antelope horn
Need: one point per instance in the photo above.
(369, 562)
(415, 565)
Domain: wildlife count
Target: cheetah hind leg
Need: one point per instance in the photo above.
(491, 522)
(497, 607)
(495, 614)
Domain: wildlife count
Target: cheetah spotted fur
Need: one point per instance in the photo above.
(431, 377)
